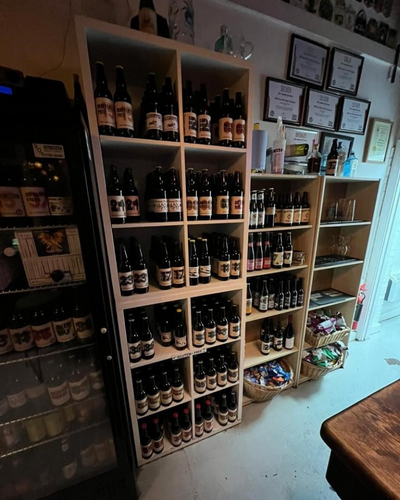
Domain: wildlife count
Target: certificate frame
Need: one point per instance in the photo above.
(378, 138)
(308, 120)
(343, 102)
(333, 81)
(293, 72)
(269, 97)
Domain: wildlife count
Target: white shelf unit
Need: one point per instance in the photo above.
(141, 54)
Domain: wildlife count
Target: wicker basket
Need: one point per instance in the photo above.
(325, 339)
(314, 372)
(259, 393)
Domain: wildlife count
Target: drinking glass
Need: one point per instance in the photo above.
(236, 46)
(181, 21)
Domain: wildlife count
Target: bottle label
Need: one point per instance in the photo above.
(96, 380)
(225, 129)
(198, 337)
(261, 218)
(166, 397)
(223, 418)
(135, 350)
(271, 301)
(141, 279)
(278, 216)
(181, 341)
(60, 205)
(190, 124)
(105, 112)
(192, 206)
(297, 216)
(211, 382)
(222, 332)
(148, 348)
(253, 219)
(267, 263)
(159, 206)
(175, 205)
(277, 260)
(16, 400)
(199, 429)
(124, 115)
(204, 127)
(258, 264)
(59, 394)
(5, 341)
(205, 206)
(232, 414)
(234, 330)
(287, 257)
(278, 343)
(132, 206)
(200, 385)
(69, 470)
(236, 205)
(250, 264)
(116, 205)
(166, 337)
(81, 389)
(158, 444)
(235, 268)
(224, 269)
(178, 275)
(289, 343)
(142, 406)
(35, 201)
(177, 393)
(154, 121)
(147, 450)
(239, 127)
(43, 334)
(233, 374)
(205, 271)
(170, 123)
(194, 272)
(265, 347)
(154, 401)
(222, 205)
(187, 435)
(126, 281)
(256, 298)
(331, 167)
(208, 424)
(305, 215)
(263, 303)
(300, 300)
(11, 202)
(176, 439)
(22, 338)
(84, 326)
(287, 216)
(211, 335)
(165, 277)
(249, 304)
(222, 378)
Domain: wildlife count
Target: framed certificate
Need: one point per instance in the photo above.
(321, 109)
(377, 141)
(353, 115)
(283, 99)
(345, 71)
(308, 61)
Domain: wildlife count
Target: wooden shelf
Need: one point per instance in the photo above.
(279, 229)
(336, 302)
(266, 272)
(229, 385)
(161, 354)
(213, 222)
(332, 178)
(284, 177)
(253, 356)
(344, 224)
(141, 146)
(257, 315)
(338, 265)
(196, 153)
(186, 399)
(200, 350)
(148, 224)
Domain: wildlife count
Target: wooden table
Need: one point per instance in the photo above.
(365, 443)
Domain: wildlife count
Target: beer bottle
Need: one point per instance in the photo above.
(236, 198)
(225, 122)
(234, 323)
(266, 252)
(131, 197)
(271, 292)
(249, 300)
(223, 411)
(33, 192)
(232, 407)
(210, 328)
(165, 328)
(333, 159)
(192, 201)
(20, 332)
(233, 368)
(78, 380)
(193, 264)
(239, 123)
(208, 417)
(266, 340)
(154, 124)
(277, 259)
(253, 218)
(198, 421)
(288, 296)
(141, 401)
(56, 381)
(222, 325)
(260, 209)
(125, 273)
(189, 115)
(278, 339)
(264, 298)
(293, 300)
(224, 261)
(200, 378)
(280, 298)
(153, 394)
(300, 293)
(186, 426)
(305, 210)
(215, 115)
(165, 389)
(222, 371)
(235, 260)
(288, 251)
(289, 334)
(58, 191)
(174, 197)
(123, 106)
(157, 203)
(140, 272)
(297, 209)
(133, 339)
(205, 197)
(221, 197)
(203, 118)
(104, 102)
(259, 256)
(177, 386)
(42, 329)
(68, 461)
(164, 269)
(198, 331)
(211, 375)
(178, 267)
(205, 263)
(288, 211)
(147, 339)
(11, 204)
(175, 431)
(270, 209)
(5, 338)
(83, 323)
(116, 200)
(158, 437)
(170, 113)
(179, 331)
(250, 254)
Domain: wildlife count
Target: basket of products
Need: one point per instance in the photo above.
(323, 329)
(319, 361)
(263, 382)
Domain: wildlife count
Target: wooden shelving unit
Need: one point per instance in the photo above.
(141, 54)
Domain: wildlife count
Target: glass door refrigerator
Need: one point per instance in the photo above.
(64, 428)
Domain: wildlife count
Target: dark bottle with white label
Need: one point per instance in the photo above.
(141, 401)
(83, 322)
(134, 343)
(236, 198)
(333, 159)
(198, 421)
(200, 378)
(165, 389)
(288, 296)
(280, 298)
(294, 297)
(297, 209)
(260, 209)
(179, 331)
(253, 217)
(224, 261)
(140, 271)
(170, 113)
(204, 263)
(147, 339)
(225, 123)
(278, 337)
(221, 197)
(164, 269)
(266, 252)
(178, 392)
(17, 402)
(271, 294)
(157, 436)
(131, 196)
(125, 273)
(192, 200)
(175, 431)
(235, 260)
(205, 197)
(233, 368)
(198, 331)
(288, 251)
(259, 255)
(154, 123)
(211, 375)
(68, 459)
(222, 326)
(289, 334)
(239, 123)
(270, 209)
(305, 210)
(20, 332)
(116, 200)
(257, 293)
(193, 264)
(279, 210)
(178, 267)
(56, 381)
(146, 443)
(104, 102)
(42, 329)
(208, 417)
(203, 118)
(174, 197)
(11, 204)
(288, 211)
(264, 297)
(210, 328)
(123, 105)
(222, 371)
(277, 257)
(234, 323)
(266, 341)
(223, 413)
(5, 339)
(34, 194)
(249, 300)
(59, 192)
(156, 197)
(189, 115)
(250, 254)
(232, 407)
(78, 380)
(300, 293)
(153, 394)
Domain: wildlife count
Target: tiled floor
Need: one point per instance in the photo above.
(276, 453)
